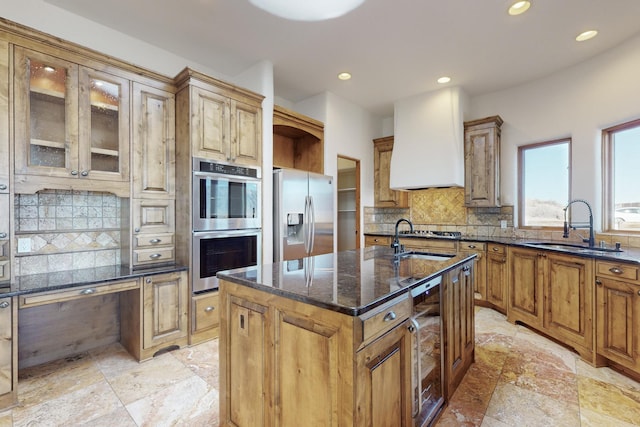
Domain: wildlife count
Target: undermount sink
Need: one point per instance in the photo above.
(426, 256)
(571, 248)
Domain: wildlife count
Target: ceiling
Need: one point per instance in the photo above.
(393, 48)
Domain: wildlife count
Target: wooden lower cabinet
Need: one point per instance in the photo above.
(205, 317)
(459, 325)
(377, 240)
(496, 280)
(8, 352)
(618, 314)
(553, 293)
(480, 266)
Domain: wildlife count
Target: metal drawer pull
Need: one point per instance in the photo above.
(154, 241)
(598, 282)
(88, 291)
(390, 316)
(84, 173)
(473, 246)
(154, 256)
(496, 249)
(639, 293)
(4, 304)
(3, 235)
(74, 172)
(3, 186)
(209, 309)
(616, 270)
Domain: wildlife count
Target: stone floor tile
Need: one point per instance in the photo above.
(611, 400)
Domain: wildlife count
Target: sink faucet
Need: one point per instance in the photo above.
(397, 247)
(567, 225)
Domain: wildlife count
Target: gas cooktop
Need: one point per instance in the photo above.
(434, 233)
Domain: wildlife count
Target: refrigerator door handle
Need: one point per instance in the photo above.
(312, 225)
(305, 225)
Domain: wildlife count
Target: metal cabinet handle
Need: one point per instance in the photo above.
(74, 172)
(390, 316)
(598, 282)
(209, 309)
(3, 186)
(472, 246)
(496, 249)
(3, 235)
(639, 293)
(137, 229)
(84, 173)
(616, 270)
(87, 291)
(4, 304)
(148, 280)
(154, 256)
(154, 241)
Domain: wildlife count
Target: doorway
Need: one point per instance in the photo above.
(348, 203)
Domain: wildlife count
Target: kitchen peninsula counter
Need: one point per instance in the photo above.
(327, 339)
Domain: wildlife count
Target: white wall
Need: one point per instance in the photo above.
(349, 131)
(578, 102)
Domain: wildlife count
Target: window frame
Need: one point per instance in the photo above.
(607, 177)
(521, 171)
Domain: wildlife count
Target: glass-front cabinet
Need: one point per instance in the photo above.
(70, 120)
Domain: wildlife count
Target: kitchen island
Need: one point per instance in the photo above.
(332, 339)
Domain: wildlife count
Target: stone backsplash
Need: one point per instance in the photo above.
(443, 209)
(67, 230)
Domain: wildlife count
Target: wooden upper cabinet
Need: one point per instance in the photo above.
(71, 121)
(383, 195)
(225, 121)
(154, 148)
(482, 162)
(298, 141)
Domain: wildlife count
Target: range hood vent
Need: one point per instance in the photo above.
(428, 148)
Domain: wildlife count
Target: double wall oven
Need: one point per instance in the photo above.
(226, 220)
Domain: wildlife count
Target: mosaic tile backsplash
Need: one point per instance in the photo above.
(67, 230)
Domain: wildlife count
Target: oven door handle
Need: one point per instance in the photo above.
(414, 328)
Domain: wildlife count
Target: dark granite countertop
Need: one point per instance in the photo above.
(81, 277)
(350, 282)
(631, 255)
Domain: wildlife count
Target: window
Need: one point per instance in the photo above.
(621, 152)
(544, 183)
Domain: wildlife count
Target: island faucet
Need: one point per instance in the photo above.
(567, 225)
(397, 247)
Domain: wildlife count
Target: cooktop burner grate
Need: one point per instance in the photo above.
(434, 233)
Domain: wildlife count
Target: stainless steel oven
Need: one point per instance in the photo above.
(426, 320)
(215, 251)
(226, 197)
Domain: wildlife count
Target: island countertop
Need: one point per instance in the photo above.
(350, 282)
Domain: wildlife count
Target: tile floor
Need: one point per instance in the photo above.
(519, 379)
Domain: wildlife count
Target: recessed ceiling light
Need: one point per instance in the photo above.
(444, 79)
(307, 10)
(519, 7)
(586, 35)
(344, 76)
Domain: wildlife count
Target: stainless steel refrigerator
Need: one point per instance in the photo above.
(302, 214)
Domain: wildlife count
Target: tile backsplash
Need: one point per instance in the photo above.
(67, 230)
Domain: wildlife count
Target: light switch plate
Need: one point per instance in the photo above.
(503, 223)
(24, 245)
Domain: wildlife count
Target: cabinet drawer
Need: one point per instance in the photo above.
(206, 312)
(153, 255)
(75, 293)
(427, 244)
(5, 319)
(152, 240)
(617, 270)
(385, 317)
(494, 248)
(376, 240)
(472, 246)
(152, 216)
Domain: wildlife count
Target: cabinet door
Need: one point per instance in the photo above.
(384, 380)
(383, 195)
(568, 300)
(153, 142)
(618, 321)
(210, 125)
(46, 115)
(496, 283)
(104, 126)
(5, 264)
(246, 134)
(4, 117)
(165, 309)
(6, 347)
(480, 268)
(526, 278)
(459, 325)
(482, 162)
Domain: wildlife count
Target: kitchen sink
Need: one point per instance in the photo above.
(571, 248)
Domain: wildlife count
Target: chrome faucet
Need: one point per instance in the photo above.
(397, 247)
(567, 225)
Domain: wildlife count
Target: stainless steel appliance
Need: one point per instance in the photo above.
(215, 251)
(302, 214)
(426, 326)
(226, 197)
